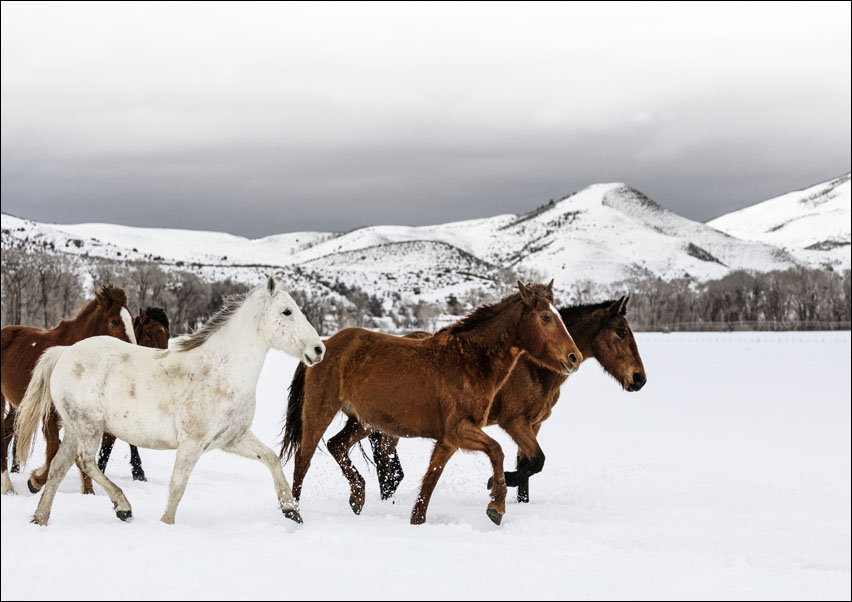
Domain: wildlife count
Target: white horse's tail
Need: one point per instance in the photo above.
(36, 404)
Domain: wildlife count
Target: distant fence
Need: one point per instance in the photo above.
(743, 325)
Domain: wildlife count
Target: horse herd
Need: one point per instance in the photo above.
(105, 375)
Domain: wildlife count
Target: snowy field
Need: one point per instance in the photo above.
(727, 476)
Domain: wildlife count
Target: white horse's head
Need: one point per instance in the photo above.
(286, 327)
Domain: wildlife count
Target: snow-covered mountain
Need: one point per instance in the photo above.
(604, 233)
(812, 224)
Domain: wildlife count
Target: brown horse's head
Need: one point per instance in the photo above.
(615, 348)
(112, 317)
(541, 332)
(151, 328)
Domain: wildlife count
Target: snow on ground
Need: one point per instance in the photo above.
(727, 476)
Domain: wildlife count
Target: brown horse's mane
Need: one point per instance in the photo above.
(575, 311)
(109, 291)
(485, 313)
(158, 314)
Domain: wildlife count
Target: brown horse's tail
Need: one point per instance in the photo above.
(292, 438)
(36, 404)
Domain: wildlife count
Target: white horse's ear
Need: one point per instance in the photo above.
(270, 285)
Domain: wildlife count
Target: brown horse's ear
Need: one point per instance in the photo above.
(550, 286)
(137, 321)
(526, 293)
(270, 285)
(620, 306)
(103, 301)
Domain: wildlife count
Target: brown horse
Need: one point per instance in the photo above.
(151, 328)
(20, 349)
(527, 398)
(440, 387)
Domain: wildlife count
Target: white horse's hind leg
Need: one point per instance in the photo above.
(87, 464)
(187, 455)
(62, 462)
(250, 446)
(7, 483)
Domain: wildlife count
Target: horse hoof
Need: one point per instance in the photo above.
(15, 468)
(124, 515)
(36, 520)
(355, 504)
(293, 515)
(31, 487)
(139, 476)
(418, 520)
(490, 483)
(496, 517)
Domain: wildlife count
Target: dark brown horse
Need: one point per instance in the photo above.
(20, 348)
(527, 398)
(440, 387)
(151, 328)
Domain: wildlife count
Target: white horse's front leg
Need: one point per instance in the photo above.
(250, 446)
(188, 453)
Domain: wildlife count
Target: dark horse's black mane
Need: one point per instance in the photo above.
(158, 314)
(575, 310)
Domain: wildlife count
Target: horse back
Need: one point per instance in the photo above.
(20, 348)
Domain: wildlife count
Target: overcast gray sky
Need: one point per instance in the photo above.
(264, 118)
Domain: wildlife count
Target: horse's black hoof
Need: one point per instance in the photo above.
(496, 517)
(355, 504)
(293, 515)
(139, 476)
(124, 515)
(31, 487)
(490, 483)
(15, 468)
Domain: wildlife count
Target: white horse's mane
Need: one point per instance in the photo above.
(230, 305)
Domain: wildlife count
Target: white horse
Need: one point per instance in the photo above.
(196, 397)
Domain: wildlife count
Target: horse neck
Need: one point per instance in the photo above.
(83, 325)
(238, 347)
(497, 339)
(583, 327)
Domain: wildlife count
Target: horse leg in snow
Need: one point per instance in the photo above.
(388, 467)
(530, 457)
(62, 462)
(188, 453)
(339, 447)
(7, 432)
(249, 446)
(86, 460)
(468, 436)
(441, 454)
(136, 464)
(106, 450)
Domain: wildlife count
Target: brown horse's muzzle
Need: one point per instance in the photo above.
(639, 381)
(572, 363)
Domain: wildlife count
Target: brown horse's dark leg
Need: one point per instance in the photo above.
(136, 464)
(388, 466)
(441, 454)
(339, 446)
(314, 424)
(468, 436)
(107, 442)
(533, 465)
(7, 432)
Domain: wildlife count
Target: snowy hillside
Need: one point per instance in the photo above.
(604, 233)
(814, 224)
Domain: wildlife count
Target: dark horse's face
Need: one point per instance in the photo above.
(152, 328)
(615, 348)
(113, 317)
(543, 334)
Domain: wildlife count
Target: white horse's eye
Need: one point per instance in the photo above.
(286, 312)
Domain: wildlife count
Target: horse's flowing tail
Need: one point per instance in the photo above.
(293, 429)
(36, 404)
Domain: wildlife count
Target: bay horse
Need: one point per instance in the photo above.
(151, 328)
(441, 388)
(600, 330)
(20, 348)
(194, 398)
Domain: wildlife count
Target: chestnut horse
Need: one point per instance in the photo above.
(526, 400)
(151, 328)
(440, 388)
(20, 348)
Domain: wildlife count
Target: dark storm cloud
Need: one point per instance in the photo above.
(248, 132)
